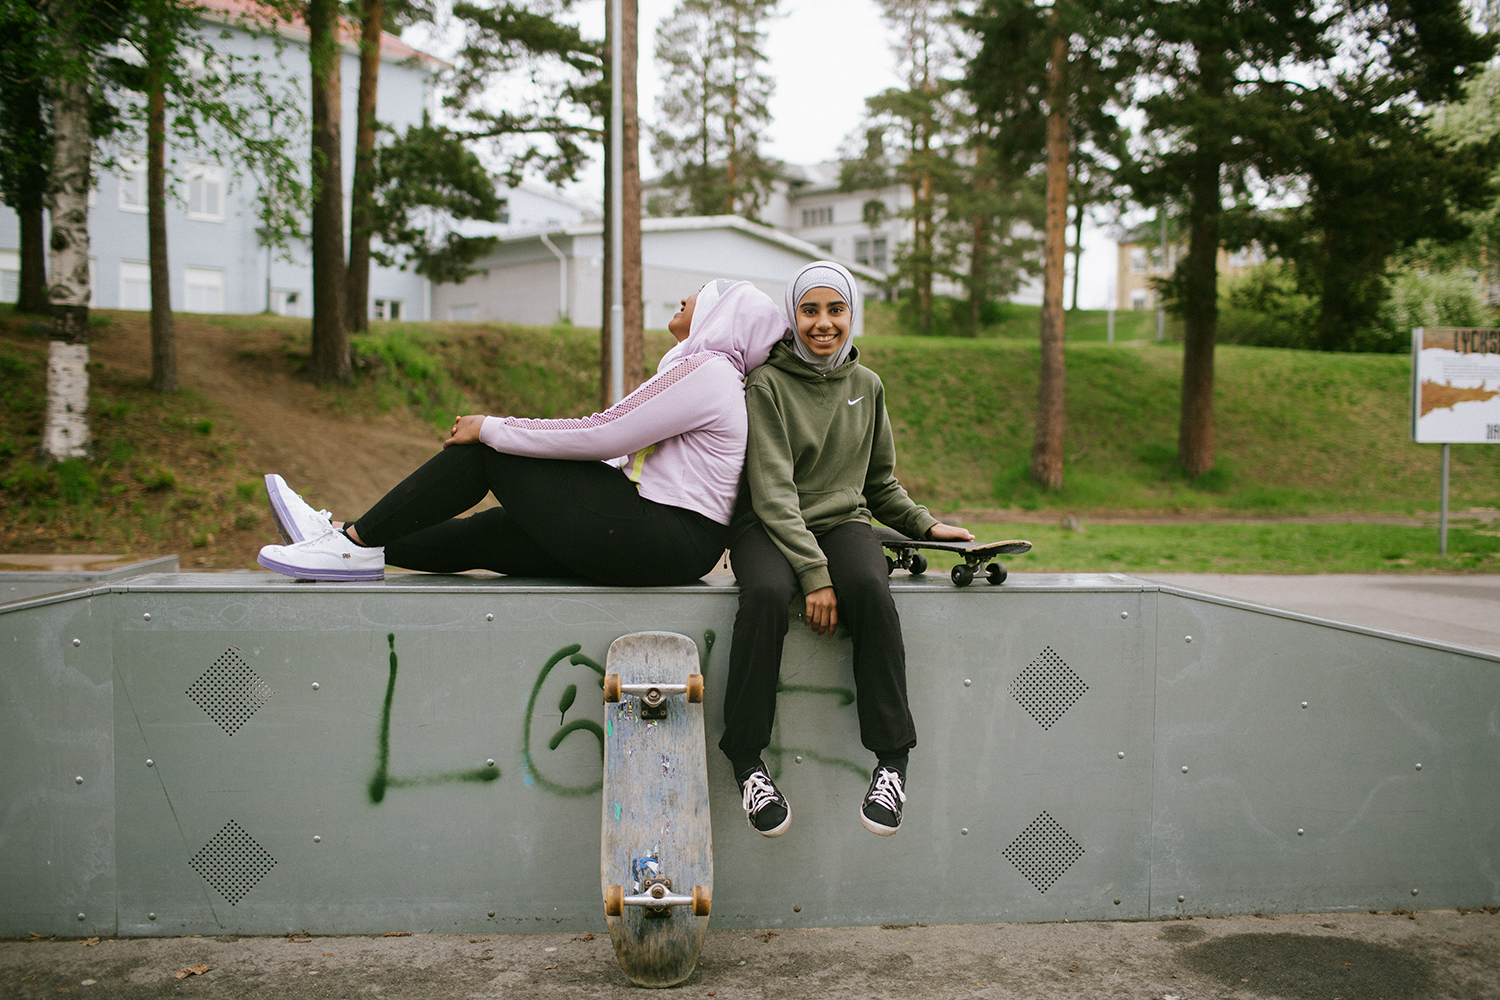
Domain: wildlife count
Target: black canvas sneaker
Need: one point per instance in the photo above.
(881, 810)
(766, 808)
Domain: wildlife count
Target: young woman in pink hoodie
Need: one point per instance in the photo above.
(640, 494)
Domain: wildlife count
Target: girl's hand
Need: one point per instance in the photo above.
(941, 532)
(822, 611)
(465, 430)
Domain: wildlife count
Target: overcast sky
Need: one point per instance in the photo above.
(826, 57)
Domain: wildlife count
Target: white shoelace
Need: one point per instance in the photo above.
(759, 793)
(887, 789)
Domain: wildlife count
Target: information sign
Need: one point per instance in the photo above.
(1455, 383)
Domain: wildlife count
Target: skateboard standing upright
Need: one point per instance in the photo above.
(974, 554)
(656, 860)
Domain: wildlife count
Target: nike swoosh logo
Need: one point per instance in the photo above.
(853, 401)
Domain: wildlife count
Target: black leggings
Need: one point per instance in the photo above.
(557, 518)
(856, 562)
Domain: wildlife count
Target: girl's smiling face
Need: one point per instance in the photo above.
(681, 324)
(823, 321)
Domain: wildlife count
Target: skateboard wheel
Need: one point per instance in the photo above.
(963, 575)
(611, 687)
(918, 564)
(614, 901)
(701, 897)
(695, 688)
(995, 573)
(890, 565)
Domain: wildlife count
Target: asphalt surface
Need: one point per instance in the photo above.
(1464, 610)
(1439, 954)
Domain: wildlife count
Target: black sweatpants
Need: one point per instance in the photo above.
(861, 582)
(557, 518)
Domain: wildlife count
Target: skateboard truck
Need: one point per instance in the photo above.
(657, 897)
(653, 696)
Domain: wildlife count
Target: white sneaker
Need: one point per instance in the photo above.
(294, 517)
(329, 556)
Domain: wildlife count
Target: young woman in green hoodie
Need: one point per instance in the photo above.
(820, 465)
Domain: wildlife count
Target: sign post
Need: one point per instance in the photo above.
(1455, 394)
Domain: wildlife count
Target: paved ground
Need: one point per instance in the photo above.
(1351, 956)
(1458, 609)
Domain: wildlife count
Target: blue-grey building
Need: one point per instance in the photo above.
(218, 262)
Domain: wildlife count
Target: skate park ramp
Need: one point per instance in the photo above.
(241, 754)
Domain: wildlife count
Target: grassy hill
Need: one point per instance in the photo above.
(1299, 434)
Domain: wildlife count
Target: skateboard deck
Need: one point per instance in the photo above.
(656, 860)
(975, 556)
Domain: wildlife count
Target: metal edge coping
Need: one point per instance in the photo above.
(1298, 616)
(1125, 584)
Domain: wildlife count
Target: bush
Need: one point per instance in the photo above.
(1265, 309)
(1432, 298)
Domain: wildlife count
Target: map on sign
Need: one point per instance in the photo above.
(1455, 385)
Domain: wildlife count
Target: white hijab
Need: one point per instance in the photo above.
(822, 274)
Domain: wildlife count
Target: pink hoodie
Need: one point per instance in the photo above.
(683, 431)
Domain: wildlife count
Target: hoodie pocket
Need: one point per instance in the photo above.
(823, 508)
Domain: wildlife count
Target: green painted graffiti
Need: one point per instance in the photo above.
(381, 781)
(531, 773)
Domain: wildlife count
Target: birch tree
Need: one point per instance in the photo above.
(77, 30)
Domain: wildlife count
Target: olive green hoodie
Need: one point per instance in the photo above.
(820, 454)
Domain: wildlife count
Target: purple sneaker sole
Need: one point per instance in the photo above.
(325, 576)
(279, 513)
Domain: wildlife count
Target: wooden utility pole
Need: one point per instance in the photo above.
(622, 213)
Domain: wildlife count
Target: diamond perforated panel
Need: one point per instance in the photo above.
(229, 691)
(1043, 852)
(232, 862)
(1047, 688)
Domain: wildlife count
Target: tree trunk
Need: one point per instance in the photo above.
(1199, 287)
(1077, 249)
(924, 252)
(66, 432)
(357, 309)
(32, 297)
(607, 291)
(33, 291)
(163, 337)
(1051, 418)
(978, 269)
(1200, 314)
(330, 340)
(634, 314)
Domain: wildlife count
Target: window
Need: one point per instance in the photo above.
(826, 246)
(132, 187)
(10, 276)
(135, 285)
(871, 252)
(285, 302)
(203, 290)
(205, 193)
(1138, 298)
(818, 216)
(463, 314)
(1137, 260)
(387, 308)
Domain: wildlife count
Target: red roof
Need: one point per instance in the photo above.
(391, 47)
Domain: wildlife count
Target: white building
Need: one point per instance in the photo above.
(558, 275)
(217, 262)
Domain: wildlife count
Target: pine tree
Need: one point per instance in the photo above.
(714, 108)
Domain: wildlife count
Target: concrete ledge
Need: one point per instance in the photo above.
(1091, 747)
